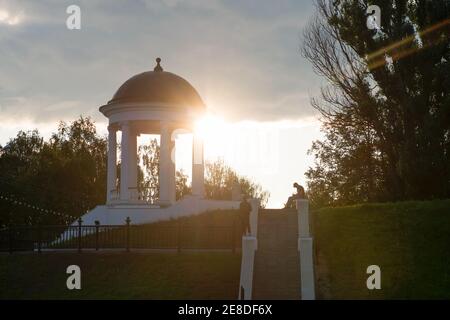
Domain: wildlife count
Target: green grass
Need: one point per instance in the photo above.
(410, 241)
(121, 276)
(188, 275)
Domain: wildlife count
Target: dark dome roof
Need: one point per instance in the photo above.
(158, 86)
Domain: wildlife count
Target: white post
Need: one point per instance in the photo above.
(249, 246)
(164, 160)
(307, 268)
(198, 167)
(125, 161)
(255, 203)
(112, 163)
(305, 246)
(303, 217)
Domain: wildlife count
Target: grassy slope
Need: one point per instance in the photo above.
(410, 241)
(121, 276)
(212, 218)
(197, 232)
(128, 276)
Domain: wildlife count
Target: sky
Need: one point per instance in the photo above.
(243, 57)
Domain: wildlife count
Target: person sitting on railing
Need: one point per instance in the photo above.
(244, 213)
(299, 195)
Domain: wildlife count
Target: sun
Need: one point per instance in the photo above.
(211, 127)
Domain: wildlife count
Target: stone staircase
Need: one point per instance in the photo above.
(276, 273)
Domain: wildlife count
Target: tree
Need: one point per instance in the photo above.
(181, 186)
(18, 160)
(148, 156)
(220, 179)
(59, 180)
(54, 181)
(148, 180)
(386, 110)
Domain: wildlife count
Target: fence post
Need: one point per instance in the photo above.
(127, 221)
(179, 236)
(80, 221)
(97, 225)
(39, 234)
(10, 236)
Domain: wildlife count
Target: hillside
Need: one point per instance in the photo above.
(410, 242)
(121, 275)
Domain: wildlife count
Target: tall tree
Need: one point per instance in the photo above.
(386, 109)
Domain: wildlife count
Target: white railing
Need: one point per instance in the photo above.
(137, 195)
(305, 247)
(249, 246)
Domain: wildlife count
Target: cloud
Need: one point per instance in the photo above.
(9, 19)
(242, 57)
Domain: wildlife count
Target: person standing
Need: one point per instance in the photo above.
(244, 213)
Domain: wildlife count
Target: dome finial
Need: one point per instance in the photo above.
(158, 67)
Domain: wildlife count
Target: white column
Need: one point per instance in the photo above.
(171, 170)
(198, 166)
(132, 173)
(112, 164)
(125, 161)
(164, 164)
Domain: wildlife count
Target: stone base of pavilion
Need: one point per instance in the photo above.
(115, 214)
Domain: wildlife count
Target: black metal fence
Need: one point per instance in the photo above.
(175, 235)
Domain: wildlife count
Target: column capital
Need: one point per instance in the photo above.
(112, 127)
(125, 123)
(164, 125)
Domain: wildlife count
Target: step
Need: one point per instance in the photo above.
(276, 265)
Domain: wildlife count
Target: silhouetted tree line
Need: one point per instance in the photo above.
(66, 174)
(56, 181)
(386, 108)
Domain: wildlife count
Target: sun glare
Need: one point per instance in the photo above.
(211, 127)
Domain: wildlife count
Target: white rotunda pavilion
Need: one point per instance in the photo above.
(152, 102)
